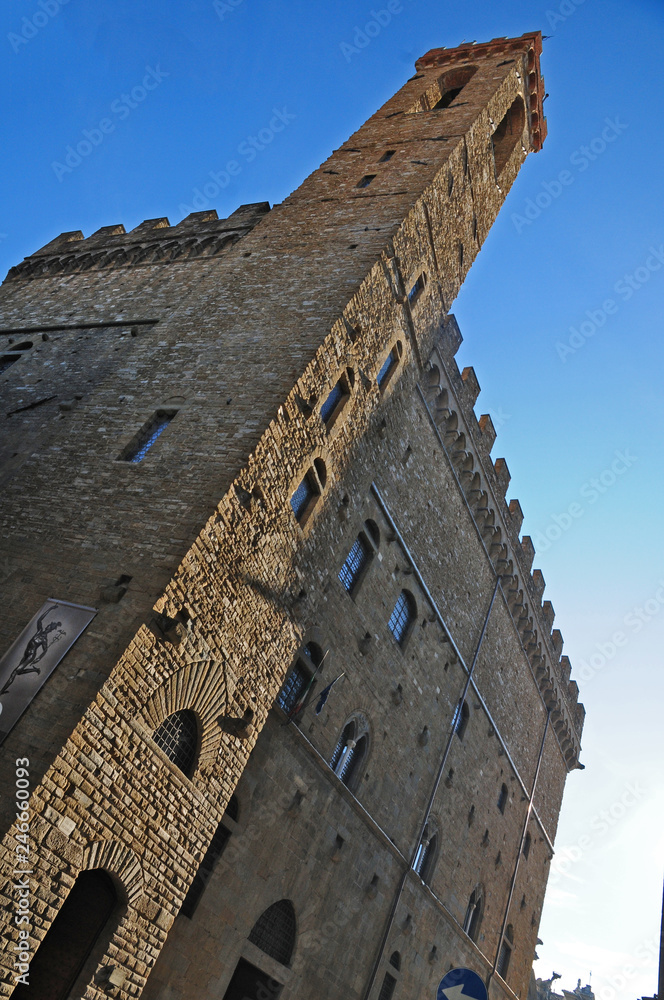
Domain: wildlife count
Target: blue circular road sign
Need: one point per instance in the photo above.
(460, 983)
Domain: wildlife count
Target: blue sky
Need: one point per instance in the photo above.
(561, 315)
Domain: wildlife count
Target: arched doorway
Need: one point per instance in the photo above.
(71, 937)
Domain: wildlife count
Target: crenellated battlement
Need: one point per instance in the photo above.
(154, 241)
(468, 442)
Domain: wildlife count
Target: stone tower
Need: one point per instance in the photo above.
(239, 462)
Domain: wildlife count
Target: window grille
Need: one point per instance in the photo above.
(147, 436)
(402, 617)
(386, 370)
(301, 498)
(388, 987)
(177, 736)
(502, 798)
(332, 401)
(356, 562)
(274, 931)
(505, 953)
(293, 689)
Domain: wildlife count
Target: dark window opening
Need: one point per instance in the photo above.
(447, 99)
(274, 931)
(366, 180)
(177, 737)
(508, 134)
(502, 798)
(215, 850)
(387, 155)
(388, 987)
(71, 937)
(402, 617)
(146, 437)
(7, 360)
(249, 983)
(395, 960)
(526, 845)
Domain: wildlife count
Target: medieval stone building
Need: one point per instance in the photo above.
(239, 464)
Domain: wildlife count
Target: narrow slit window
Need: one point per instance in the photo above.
(502, 798)
(366, 180)
(147, 436)
(387, 155)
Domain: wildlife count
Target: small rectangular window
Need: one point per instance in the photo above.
(388, 367)
(301, 499)
(356, 562)
(335, 402)
(387, 156)
(416, 290)
(366, 180)
(146, 437)
(7, 360)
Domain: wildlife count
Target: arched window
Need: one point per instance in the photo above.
(274, 934)
(71, 937)
(177, 736)
(427, 853)
(361, 553)
(473, 917)
(274, 931)
(298, 685)
(395, 960)
(461, 717)
(403, 617)
(350, 753)
(217, 847)
(505, 952)
(502, 798)
(508, 134)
